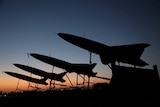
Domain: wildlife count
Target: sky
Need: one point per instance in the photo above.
(31, 26)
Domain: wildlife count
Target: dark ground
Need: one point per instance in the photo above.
(79, 98)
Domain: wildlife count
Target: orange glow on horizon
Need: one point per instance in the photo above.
(10, 84)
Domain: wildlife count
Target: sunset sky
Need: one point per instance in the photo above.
(31, 26)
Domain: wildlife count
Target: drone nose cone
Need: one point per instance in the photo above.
(66, 36)
(17, 65)
(7, 72)
(70, 38)
(63, 35)
(60, 34)
(34, 55)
